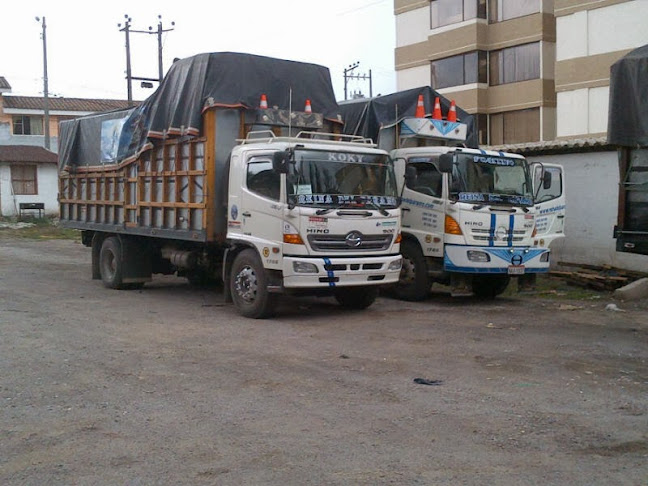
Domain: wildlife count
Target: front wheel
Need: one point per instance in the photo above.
(413, 283)
(489, 286)
(356, 297)
(248, 286)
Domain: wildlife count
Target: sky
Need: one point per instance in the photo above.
(86, 53)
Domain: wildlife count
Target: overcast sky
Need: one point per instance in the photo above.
(86, 55)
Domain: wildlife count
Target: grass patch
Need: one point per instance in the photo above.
(550, 287)
(36, 229)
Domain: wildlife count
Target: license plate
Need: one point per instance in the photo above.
(516, 270)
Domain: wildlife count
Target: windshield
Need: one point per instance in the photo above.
(342, 179)
(491, 179)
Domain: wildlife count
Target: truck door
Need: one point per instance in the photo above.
(423, 207)
(261, 209)
(550, 202)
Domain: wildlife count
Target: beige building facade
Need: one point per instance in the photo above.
(530, 70)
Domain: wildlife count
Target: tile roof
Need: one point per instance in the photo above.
(26, 153)
(64, 104)
(4, 84)
(556, 146)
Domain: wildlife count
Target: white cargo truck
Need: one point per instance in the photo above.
(206, 181)
(472, 218)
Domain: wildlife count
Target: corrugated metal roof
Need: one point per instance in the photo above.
(556, 146)
(64, 104)
(27, 153)
(4, 84)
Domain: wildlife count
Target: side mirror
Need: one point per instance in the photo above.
(280, 161)
(445, 163)
(410, 175)
(546, 180)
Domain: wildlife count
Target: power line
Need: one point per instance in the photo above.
(146, 81)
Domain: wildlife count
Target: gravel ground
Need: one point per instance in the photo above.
(168, 385)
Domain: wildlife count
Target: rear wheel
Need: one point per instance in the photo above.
(248, 286)
(489, 286)
(356, 297)
(111, 263)
(413, 283)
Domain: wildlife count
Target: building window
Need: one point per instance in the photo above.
(482, 128)
(515, 127)
(459, 70)
(515, 64)
(499, 10)
(446, 12)
(23, 179)
(27, 125)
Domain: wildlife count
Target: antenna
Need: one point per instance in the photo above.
(290, 112)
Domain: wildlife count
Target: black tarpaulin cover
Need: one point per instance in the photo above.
(628, 110)
(365, 116)
(193, 84)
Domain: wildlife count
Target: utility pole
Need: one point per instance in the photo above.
(348, 74)
(146, 82)
(45, 89)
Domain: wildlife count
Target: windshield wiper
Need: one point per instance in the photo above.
(377, 207)
(322, 211)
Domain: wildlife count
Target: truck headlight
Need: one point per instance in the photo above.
(395, 265)
(478, 256)
(304, 267)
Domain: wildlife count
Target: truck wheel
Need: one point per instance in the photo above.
(413, 283)
(356, 297)
(110, 263)
(249, 287)
(489, 286)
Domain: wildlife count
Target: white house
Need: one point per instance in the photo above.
(28, 174)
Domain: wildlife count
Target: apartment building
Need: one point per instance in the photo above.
(531, 70)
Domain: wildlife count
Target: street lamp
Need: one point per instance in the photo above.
(45, 91)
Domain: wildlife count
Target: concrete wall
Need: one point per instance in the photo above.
(47, 175)
(592, 191)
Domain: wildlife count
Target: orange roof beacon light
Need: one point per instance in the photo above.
(436, 114)
(264, 102)
(308, 108)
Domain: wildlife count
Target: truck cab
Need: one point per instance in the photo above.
(469, 220)
(318, 213)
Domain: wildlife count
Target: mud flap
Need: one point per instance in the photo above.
(136, 261)
(460, 285)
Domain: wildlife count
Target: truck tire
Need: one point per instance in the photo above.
(110, 263)
(248, 286)
(413, 283)
(356, 297)
(489, 286)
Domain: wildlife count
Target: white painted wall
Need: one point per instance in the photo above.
(591, 181)
(582, 111)
(601, 30)
(412, 27)
(413, 77)
(47, 190)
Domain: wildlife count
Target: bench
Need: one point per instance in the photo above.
(40, 207)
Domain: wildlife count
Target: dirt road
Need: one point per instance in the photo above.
(167, 385)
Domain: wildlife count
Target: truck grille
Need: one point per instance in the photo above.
(353, 241)
(484, 235)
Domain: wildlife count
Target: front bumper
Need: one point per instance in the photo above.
(341, 272)
(508, 260)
